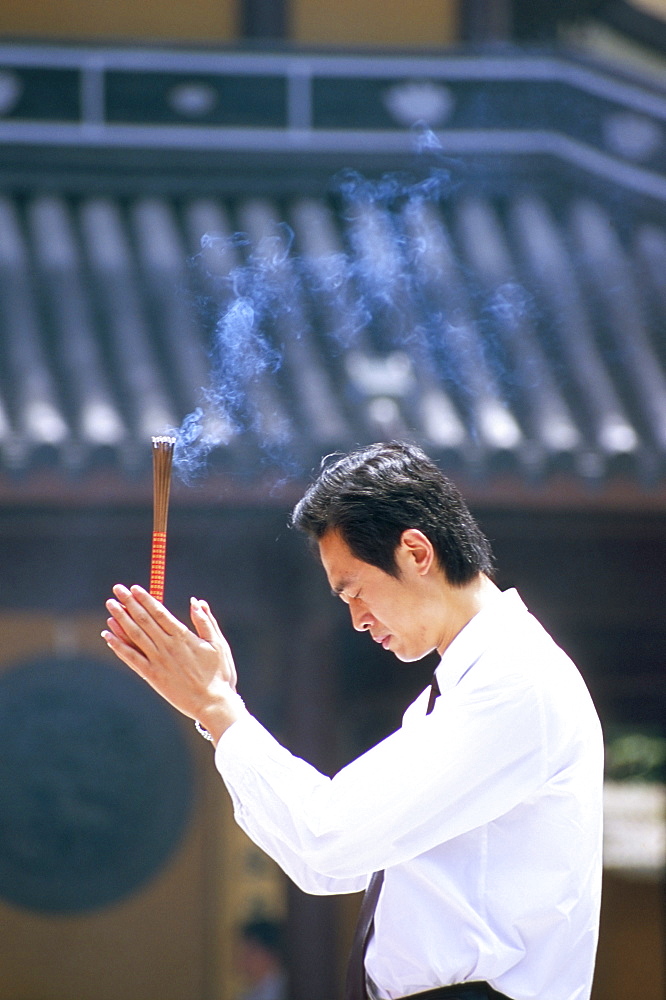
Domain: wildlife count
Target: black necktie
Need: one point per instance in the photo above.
(355, 988)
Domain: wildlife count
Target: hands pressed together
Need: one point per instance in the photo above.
(194, 671)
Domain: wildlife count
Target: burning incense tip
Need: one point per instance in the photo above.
(163, 446)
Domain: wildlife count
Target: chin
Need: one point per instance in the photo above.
(406, 657)
(411, 656)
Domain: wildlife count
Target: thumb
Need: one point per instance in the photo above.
(203, 621)
(205, 607)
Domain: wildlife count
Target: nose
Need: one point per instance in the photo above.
(360, 615)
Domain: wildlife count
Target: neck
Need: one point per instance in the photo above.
(462, 604)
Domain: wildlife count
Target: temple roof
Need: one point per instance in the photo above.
(310, 273)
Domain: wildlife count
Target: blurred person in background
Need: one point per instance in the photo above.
(260, 961)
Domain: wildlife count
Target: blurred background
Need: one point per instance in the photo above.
(291, 227)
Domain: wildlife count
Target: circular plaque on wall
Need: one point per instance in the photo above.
(95, 784)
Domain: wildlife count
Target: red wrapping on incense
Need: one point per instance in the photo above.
(162, 460)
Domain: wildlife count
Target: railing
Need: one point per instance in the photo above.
(513, 103)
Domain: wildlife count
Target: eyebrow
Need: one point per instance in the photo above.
(340, 587)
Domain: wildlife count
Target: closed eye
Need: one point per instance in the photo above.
(344, 598)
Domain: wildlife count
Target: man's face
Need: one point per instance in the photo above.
(393, 610)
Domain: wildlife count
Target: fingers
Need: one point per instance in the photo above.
(126, 629)
(188, 668)
(152, 610)
(125, 651)
(204, 621)
(169, 624)
(209, 631)
(141, 620)
(118, 630)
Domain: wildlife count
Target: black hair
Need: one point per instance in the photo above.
(374, 494)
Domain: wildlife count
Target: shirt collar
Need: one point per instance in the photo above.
(476, 636)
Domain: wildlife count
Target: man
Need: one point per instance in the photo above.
(483, 810)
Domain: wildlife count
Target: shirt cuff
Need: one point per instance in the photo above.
(244, 741)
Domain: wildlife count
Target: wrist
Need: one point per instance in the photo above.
(218, 717)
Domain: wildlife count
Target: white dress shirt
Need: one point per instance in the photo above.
(485, 814)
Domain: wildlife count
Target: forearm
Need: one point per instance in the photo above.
(412, 783)
(290, 861)
(261, 821)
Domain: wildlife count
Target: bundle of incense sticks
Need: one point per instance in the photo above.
(163, 446)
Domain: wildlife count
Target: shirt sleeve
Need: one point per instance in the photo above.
(266, 783)
(478, 754)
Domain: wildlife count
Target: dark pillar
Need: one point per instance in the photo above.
(267, 19)
(484, 21)
(537, 20)
(312, 718)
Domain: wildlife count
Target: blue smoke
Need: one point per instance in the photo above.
(368, 287)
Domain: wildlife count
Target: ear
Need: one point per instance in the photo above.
(416, 550)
